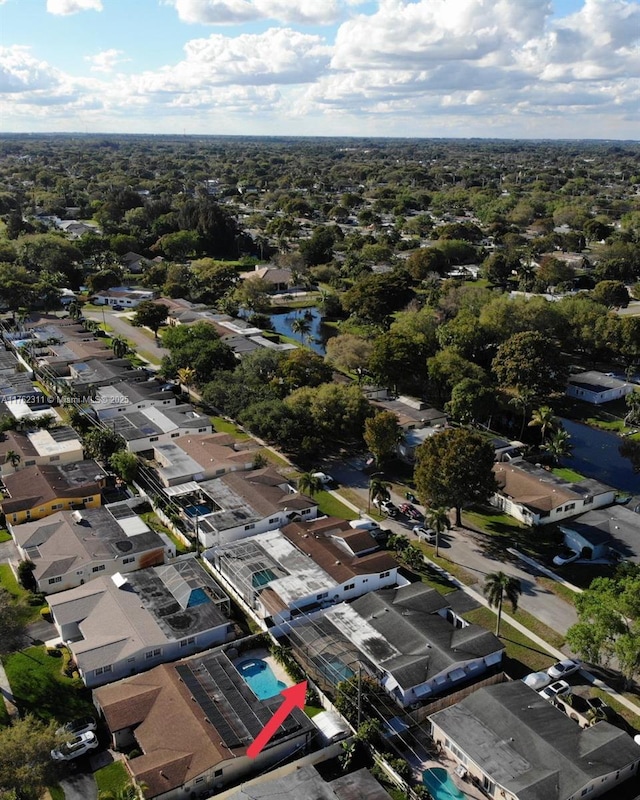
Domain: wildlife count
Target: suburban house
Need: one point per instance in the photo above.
(142, 429)
(20, 449)
(192, 722)
(38, 491)
(16, 383)
(516, 745)
(407, 638)
(75, 228)
(123, 296)
(418, 420)
(240, 504)
(277, 278)
(93, 373)
(536, 496)
(134, 262)
(119, 625)
(306, 783)
(59, 357)
(608, 534)
(70, 548)
(283, 576)
(200, 457)
(597, 387)
(122, 397)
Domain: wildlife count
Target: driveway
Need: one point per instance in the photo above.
(8, 552)
(469, 550)
(80, 786)
(122, 327)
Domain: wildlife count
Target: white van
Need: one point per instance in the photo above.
(364, 524)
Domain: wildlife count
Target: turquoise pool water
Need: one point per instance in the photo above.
(440, 785)
(257, 674)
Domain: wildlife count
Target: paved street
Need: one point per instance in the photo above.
(121, 327)
(473, 551)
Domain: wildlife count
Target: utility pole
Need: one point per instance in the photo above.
(359, 695)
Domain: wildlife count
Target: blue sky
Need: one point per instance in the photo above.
(514, 68)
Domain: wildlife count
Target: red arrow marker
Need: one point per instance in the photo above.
(294, 697)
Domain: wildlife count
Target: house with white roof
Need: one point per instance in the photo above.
(20, 449)
(142, 429)
(597, 387)
(119, 625)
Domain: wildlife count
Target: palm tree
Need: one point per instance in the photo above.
(13, 458)
(301, 326)
(186, 377)
(559, 445)
(522, 400)
(120, 347)
(437, 518)
(544, 419)
(378, 489)
(497, 587)
(308, 483)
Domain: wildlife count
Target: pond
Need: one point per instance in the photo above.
(318, 333)
(596, 455)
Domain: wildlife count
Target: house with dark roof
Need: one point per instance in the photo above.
(70, 548)
(597, 387)
(142, 429)
(608, 534)
(94, 372)
(306, 783)
(536, 496)
(517, 746)
(192, 722)
(240, 504)
(124, 396)
(410, 639)
(38, 491)
(118, 625)
(282, 576)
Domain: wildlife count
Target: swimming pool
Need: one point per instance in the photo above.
(197, 510)
(440, 785)
(258, 676)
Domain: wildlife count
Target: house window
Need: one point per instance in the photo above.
(187, 642)
(87, 499)
(153, 439)
(54, 458)
(56, 506)
(57, 579)
(569, 506)
(30, 463)
(99, 568)
(153, 653)
(249, 527)
(131, 660)
(306, 511)
(199, 780)
(322, 596)
(385, 574)
(349, 586)
(129, 560)
(202, 430)
(273, 519)
(588, 501)
(174, 435)
(217, 773)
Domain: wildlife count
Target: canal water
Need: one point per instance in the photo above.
(318, 334)
(596, 455)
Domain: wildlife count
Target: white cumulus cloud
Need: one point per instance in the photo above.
(66, 7)
(106, 60)
(226, 12)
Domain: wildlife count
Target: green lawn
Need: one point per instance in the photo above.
(523, 654)
(5, 536)
(112, 778)
(28, 613)
(311, 711)
(40, 688)
(567, 474)
(332, 507)
(56, 792)
(154, 522)
(223, 425)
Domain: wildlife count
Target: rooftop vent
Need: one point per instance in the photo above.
(77, 517)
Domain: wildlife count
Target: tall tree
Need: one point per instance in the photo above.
(378, 490)
(151, 315)
(533, 361)
(308, 483)
(382, 433)
(13, 458)
(186, 377)
(559, 445)
(544, 419)
(454, 468)
(499, 587)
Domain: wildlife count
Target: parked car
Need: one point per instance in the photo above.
(536, 680)
(559, 687)
(426, 534)
(386, 506)
(117, 308)
(563, 668)
(76, 747)
(566, 556)
(410, 511)
(410, 496)
(78, 726)
(364, 525)
(326, 480)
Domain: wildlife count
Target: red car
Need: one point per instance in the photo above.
(410, 511)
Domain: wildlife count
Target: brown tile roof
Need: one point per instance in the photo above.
(19, 443)
(531, 490)
(178, 743)
(332, 558)
(216, 448)
(261, 489)
(33, 486)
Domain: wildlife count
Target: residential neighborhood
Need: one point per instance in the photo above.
(332, 499)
